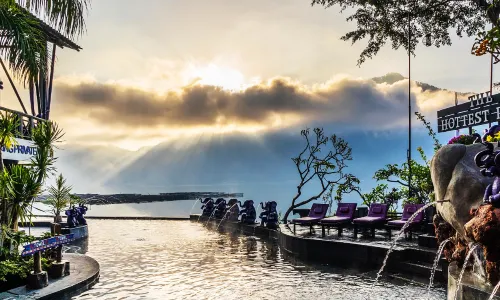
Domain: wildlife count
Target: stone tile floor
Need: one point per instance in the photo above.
(380, 239)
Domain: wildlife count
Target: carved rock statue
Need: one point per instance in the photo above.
(484, 228)
(233, 210)
(457, 178)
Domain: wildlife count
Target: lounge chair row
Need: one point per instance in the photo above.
(344, 217)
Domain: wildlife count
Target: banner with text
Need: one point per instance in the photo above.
(481, 109)
(23, 150)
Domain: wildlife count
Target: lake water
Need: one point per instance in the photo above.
(188, 260)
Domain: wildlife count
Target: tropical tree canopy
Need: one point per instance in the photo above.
(431, 21)
(24, 37)
(59, 195)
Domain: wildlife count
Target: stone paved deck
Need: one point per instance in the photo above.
(84, 274)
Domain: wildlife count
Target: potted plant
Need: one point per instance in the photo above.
(59, 197)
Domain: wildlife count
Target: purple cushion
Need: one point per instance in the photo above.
(344, 209)
(306, 220)
(336, 219)
(369, 220)
(318, 209)
(397, 223)
(377, 209)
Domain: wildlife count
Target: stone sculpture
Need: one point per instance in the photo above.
(220, 208)
(233, 210)
(247, 212)
(269, 215)
(207, 207)
(469, 177)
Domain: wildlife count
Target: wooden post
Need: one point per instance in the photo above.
(59, 254)
(49, 94)
(37, 90)
(20, 119)
(37, 263)
(32, 97)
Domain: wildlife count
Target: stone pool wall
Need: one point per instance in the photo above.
(411, 262)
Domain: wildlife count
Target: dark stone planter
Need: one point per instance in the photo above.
(56, 270)
(37, 281)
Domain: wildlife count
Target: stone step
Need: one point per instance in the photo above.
(421, 269)
(426, 255)
(409, 279)
(428, 241)
(429, 229)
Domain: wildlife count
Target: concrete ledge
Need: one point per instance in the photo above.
(234, 227)
(407, 260)
(471, 287)
(35, 224)
(336, 252)
(138, 218)
(84, 274)
(79, 232)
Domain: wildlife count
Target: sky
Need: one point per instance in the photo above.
(170, 71)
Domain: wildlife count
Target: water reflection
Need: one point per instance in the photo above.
(185, 260)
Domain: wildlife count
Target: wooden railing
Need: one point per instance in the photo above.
(26, 124)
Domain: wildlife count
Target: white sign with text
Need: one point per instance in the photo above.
(22, 151)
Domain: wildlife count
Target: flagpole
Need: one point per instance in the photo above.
(457, 133)
(491, 75)
(409, 106)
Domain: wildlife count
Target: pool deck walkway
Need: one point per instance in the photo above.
(84, 274)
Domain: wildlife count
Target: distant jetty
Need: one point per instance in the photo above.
(97, 199)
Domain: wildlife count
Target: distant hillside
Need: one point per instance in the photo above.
(391, 78)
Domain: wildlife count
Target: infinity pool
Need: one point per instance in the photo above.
(186, 260)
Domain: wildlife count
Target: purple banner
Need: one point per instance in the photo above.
(42, 245)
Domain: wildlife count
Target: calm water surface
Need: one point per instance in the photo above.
(186, 260)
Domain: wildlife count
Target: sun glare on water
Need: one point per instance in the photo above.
(226, 78)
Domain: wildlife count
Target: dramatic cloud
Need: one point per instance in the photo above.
(280, 101)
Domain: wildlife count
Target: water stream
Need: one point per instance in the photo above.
(228, 211)
(192, 207)
(495, 290)
(401, 232)
(467, 257)
(211, 215)
(436, 261)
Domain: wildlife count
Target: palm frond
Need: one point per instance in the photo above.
(9, 127)
(23, 43)
(67, 16)
(25, 188)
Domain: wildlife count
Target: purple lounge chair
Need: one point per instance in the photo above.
(316, 213)
(408, 211)
(377, 216)
(343, 217)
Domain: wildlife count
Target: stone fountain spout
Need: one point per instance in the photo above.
(469, 177)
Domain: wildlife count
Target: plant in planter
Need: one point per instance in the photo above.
(495, 138)
(464, 139)
(59, 197)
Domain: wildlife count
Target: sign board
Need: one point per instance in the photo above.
(481, 109)
(23, 150)
(42, 245)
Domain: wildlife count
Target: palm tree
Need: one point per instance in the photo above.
(24, 190)
(24, 41)
(8, 129)
(24, 182)
(59, 197)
